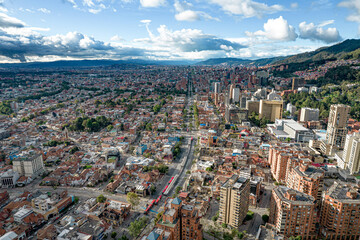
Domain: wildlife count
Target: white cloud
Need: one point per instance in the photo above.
(7, 21)
(318, 33)
(354, 7)
(116, 38)
(44, 10)
(187, 40)
(276, 29)
(184, 12)
(294, 5)
(152, 3)
(247, 8)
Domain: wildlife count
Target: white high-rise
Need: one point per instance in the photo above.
(351, 154)
(236, 95)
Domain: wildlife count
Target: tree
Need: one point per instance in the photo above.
(113, 235)
(101, 198)
(249, 215)
(163, 168)
(265, 218)
(133, 198)
(136, 226)
(123, 237)
(178, 189)
(153, 189)
(224, 225)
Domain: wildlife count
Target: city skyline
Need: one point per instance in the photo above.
(171, 29)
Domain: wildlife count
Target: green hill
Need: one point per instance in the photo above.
(347, 49)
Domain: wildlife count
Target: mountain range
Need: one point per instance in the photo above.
(344, 50)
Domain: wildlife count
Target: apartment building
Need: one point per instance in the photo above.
(306, 179)
(181, 220)
(309, 114)
(234, 200)
(283, 158)
(271, 109)
(29, 165)
(350, 157)
(336, 129)
(293, 213)
(340, 212)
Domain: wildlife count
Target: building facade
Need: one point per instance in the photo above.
(309, 114)
(340, 212)
(29, 165)
(336, 129)
(271, 110)
(293, 213)
(234, 201)
(307, 179)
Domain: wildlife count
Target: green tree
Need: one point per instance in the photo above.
(136, 226)
(265, 218)
(113, 235)
(101, 198)
(133, 199)
(153, 189)
(178, 189)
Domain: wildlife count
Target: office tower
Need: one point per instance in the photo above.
(243, 101)
(252, 106)
(351, 155)
(293, 213)
(336, 129)
(231, 92)
(181, 219)
(309, 114)
(217, 91)
(236, 95)
(234, 201)
(217, 87)
(260, 93)
(306, 179)
(271, 110)
(29, 165)
(340, 212)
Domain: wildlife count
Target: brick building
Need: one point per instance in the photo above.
(293, 213)
(181, 220)
(307, 179)
(340, 212)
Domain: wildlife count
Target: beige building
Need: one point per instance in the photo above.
(234, 201)
(350, 157)
(293, 213)
(253, 106)
(271, 109)
(309, 114)
(29, 165)
(336, 129)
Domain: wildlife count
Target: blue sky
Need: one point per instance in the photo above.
(47, 30)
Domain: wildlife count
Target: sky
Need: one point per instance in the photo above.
(49, 30)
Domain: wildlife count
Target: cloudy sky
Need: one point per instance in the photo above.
(48, 30)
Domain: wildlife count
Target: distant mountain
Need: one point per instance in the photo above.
(346, 49)
(91, 63)
(239, 61)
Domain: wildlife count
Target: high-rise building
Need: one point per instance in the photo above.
(309, 114)
(336, 129)
(293, 213)
(306, 179)
(181, 219)
(217, 87)
(271, 110)
(29, 165)
(231, 92)
(234, 200)
(340, 212)
(350, 158)
(236, 95)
